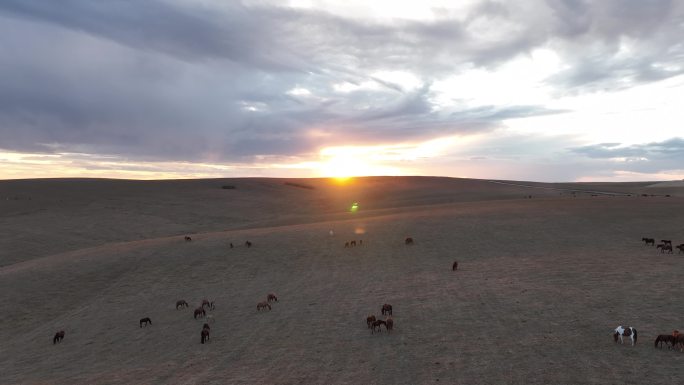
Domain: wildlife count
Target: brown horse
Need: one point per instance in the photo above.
(263, 305)
(146, 321)
(679, 341)
(386, 308)
(188, 239)
(666, 241)
(680, 248)
(649, 241)
(181, 303)
(378, 324)
(204, 335)
(207, 303)
(59, 336)
(199, 312)
(271, 297)
(665, 247)
(206, 326)
(668, 339)
(248, 244)
(454, 267)
(408, 241)
(389, 324)
(369, 320)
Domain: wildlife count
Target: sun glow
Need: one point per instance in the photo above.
(343, 163)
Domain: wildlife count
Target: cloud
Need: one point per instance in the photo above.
(651, 157)
(224, 81)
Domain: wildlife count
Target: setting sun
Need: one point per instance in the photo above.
(349, 161)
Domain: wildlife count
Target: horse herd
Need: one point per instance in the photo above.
(672, 341)
(375, 324)
(665, 245)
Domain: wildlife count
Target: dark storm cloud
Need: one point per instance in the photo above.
(168, 80)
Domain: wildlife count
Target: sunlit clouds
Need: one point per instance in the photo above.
(546, 90)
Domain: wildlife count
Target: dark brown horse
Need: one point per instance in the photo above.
(204, 335)
(408, 241)
(271, 297)
(377, 324)
(369, 320)
(386, 308)
(389, 324)
(649, 241)
(263, 305)
(188, 239)
(680, 248)
(181, 303)
(199, 312)
(209, 304)
(666, 241)
(206, 326)
(146, 321)
(248, 244)
(668, 339)
(665, 247)
(454, 267)
(59, 336)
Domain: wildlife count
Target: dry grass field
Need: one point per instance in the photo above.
(541, 282)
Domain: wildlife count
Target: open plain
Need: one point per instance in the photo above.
(541, 284)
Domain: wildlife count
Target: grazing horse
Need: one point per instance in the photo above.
(668, 339)
(271, 297)
(207, 303)
(377, 324)
(408, 241)
(666, 241)
(181, 303)
(248, 244)
(665, 247)
(386, 308)
(199, 312)
(352, 243)
(59, 336)
(454, 267)
(188, 239)
(204, 335)
(389, 324)
(146, 321)
(206, 326)
(681, 248)
(625, 332)
(369, 320)
(649, 241)
(263, 305)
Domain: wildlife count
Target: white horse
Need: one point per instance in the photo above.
(626, 332)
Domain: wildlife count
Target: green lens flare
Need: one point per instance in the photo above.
(354, 207)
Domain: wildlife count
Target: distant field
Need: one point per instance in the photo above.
(541, 282)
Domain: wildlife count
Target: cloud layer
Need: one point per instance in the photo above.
(228, 82)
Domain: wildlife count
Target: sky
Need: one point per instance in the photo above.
(555, 90)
